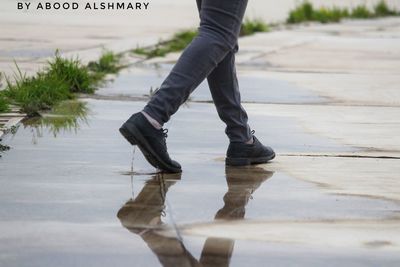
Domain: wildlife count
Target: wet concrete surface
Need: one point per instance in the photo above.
(139, 81)
(70, 195)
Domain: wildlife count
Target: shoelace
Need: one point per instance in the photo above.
(165, 134)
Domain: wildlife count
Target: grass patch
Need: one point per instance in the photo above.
(4, 106)
(37, 93)
(59, 80)
(307, 12)
(182, 39)
(326, 15)
(177, 43)
(381, 9)
(303, 12)
(109, 63)
(361, 12)
(250, 27)
(72, 72)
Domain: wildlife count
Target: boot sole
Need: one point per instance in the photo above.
(248, 161)
(135, 137)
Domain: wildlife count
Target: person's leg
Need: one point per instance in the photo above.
(218, 33)
(224, 89)
(212, 50)
(225, 93)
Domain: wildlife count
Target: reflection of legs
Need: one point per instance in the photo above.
(217, 252)
(170, 251)
(141, 214)
(242, 182)
(218, 33)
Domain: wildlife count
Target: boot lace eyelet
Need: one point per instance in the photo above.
(165, 132)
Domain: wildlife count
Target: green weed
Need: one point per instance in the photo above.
(40, 92)
(326, 15)
(250, 27)
(381, 9)
(306, 12)
(303, 12)
(182, 39)
(177, 43)
(75, 75)
(361, 12)
(59, 80)
(109, 63)
(140, 51)
(4, 106)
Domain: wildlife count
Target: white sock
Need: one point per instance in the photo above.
(152, 121)
(251, 141)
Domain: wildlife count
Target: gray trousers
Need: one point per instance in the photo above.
(210, 55)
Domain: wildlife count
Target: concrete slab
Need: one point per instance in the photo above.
(70, 209)
(73, 192)
(345, 89)
(373, 177)
(371, 129)
(334, 234)
(137, 81)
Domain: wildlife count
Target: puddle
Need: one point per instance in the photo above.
(77, 199)
(147, 212)
(68, 116)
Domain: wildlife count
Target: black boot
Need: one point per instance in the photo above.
(242, 154)
(138, 131)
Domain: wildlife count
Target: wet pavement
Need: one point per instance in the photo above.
(74, 193)
(263, 89)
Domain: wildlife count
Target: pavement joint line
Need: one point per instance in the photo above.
(144, 98)
(339, 156)
(276, 69)
(336, 104)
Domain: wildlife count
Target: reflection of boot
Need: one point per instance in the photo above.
(145, 210)
(242, 182)
(142, 214)
(170, 251)
(217, 252)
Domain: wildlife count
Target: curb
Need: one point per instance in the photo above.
(9, 120)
